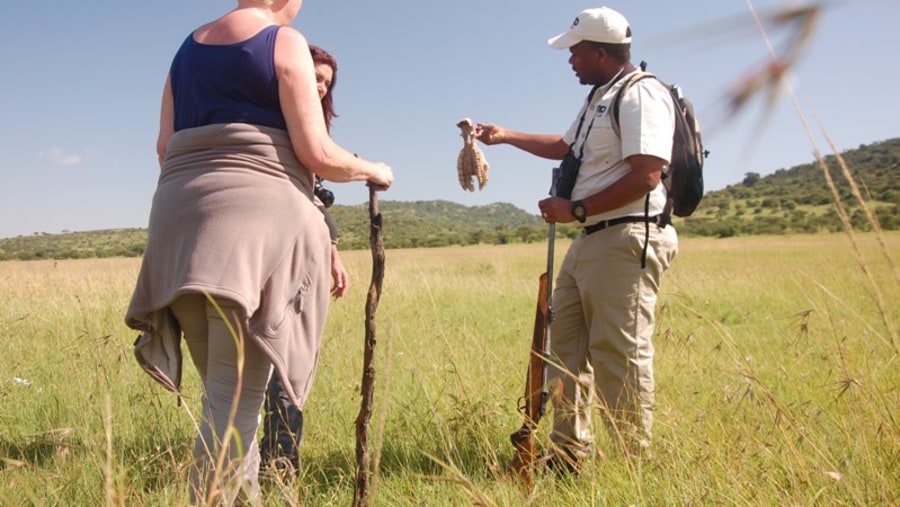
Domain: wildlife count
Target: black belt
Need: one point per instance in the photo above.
(603, 224)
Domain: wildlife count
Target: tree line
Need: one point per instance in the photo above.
(789, 201)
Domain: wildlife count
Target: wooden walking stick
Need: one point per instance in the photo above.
(363, 472)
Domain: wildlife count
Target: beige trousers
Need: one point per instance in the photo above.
(603, 318)
(227, 389)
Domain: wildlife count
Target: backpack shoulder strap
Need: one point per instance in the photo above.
(617, 100)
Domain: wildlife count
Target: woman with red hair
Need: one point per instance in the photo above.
(283, 424)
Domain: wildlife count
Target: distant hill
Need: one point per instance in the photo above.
(798, 200)
(408, 225)
(794, 200)
(438, 223)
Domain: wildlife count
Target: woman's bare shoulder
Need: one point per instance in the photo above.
(291, 36)
(291, 49)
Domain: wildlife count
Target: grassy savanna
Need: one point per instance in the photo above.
(777, 384)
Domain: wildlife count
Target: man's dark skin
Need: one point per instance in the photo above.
(593, 65)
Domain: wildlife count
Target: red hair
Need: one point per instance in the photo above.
(320, 56)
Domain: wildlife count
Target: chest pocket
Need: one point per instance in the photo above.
(599, 129)
(604, 147)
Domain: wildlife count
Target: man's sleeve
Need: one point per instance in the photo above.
(647, 120)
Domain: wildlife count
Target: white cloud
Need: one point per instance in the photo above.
(59, 157)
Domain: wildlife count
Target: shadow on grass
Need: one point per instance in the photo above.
(150, 462)
(38, 451)
(321, 475)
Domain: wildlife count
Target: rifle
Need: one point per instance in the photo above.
(536, 394)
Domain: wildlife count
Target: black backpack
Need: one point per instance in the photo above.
(684, 179)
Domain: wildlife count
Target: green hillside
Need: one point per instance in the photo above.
(791, 200)
(797, 200)
(406, 225)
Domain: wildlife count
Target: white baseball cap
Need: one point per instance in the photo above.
(598, 25)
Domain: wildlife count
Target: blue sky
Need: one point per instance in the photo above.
(82, 82)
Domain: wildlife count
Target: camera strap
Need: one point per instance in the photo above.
(587, 108)
(620, 75)
(568, 169)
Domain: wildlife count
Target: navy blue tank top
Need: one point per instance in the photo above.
(227, 83)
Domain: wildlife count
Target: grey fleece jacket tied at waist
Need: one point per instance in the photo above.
(233, 217)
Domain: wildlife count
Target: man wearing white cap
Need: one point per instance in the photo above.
(606, 290)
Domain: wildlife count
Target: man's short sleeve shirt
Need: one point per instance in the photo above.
(647, 122)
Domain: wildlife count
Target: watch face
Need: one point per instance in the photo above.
(580, 212)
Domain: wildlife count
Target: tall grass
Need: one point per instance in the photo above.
(777, 377)
(777, 385)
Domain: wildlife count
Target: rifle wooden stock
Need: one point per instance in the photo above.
(523, 462)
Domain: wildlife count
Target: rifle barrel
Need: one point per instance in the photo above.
(551, 239)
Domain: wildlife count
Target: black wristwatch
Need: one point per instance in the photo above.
(579, 210)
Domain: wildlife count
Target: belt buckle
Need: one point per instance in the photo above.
(599, 226)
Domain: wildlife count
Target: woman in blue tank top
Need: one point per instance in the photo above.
(235, 239)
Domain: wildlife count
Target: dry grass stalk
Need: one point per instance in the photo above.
(478, 498)
(783, 419)
(112, 496)
(863, 204)
(772, 77)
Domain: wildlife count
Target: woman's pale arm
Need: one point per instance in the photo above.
(302, 111)
(166, 121)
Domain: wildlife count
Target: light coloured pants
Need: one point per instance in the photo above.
(603, 317)
(214, 351)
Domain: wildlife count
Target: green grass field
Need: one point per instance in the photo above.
(777, 384)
